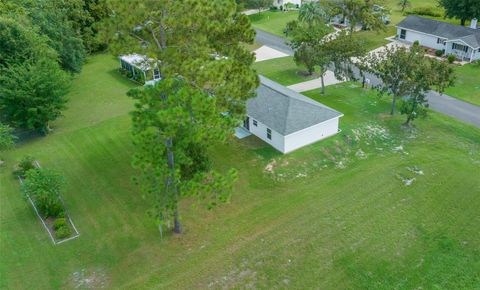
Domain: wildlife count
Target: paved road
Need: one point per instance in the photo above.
(445, 104)
(273, 41)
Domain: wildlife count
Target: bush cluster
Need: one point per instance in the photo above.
(26, 163)
(43, 186)
(439, 52)
(62, 230)
(451, 58)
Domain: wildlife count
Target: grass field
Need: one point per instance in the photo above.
(273, 21)
(283, 70)
(335, 215)
(467, 86)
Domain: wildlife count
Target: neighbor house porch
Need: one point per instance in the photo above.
(462, 50)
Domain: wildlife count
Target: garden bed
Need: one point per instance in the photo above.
(52, 224)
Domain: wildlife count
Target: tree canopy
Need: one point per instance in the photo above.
(407, 74)
(369, 14)
(207, 78)
(7, 139)
(33, 94)
(461, 9)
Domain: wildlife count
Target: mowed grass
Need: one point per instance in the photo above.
(284, 71)
(467, 86)
(312, 222)
(273, 21)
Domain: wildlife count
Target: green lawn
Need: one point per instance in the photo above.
(283, 70)
(467, 86)
(273, 21)
(334, 215)
(377, 39)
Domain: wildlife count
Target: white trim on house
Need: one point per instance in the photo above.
(294, 120)
(342, 115)
(459, 40)
(451, 35)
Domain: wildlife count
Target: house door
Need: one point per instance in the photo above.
(246, 123)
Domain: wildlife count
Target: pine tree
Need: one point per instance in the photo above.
(207, 78)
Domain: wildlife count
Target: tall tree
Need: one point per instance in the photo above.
(404, 4)
(461, 9)
(7, 139)
(304, 40)
(312, 12)
(308, 40)
(51, 17)
(259, 4)
(32, 84)
(409, 74)
(370, 14)
(32, 95)
(204, 63)
(345, 50)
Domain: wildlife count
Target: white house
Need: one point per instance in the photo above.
(288, 120)
(141, 68)
(463, 42)
(278, 3)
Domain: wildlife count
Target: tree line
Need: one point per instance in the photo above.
(42, 44)
(406, 74)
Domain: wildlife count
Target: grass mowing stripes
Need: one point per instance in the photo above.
(308, 224)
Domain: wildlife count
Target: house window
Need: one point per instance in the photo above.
(156, 74)
(460, 47)
(441, 41)
(269, 134)
(255, 123)
(403, 34)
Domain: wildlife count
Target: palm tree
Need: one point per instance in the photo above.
(312, 12)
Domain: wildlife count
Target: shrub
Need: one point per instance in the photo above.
(273, 8)
(425, 11)
(48, 203)
(451, 58)
(26, 163)
(439, 52)
(416, 43)
(63, 232)
(60, 222)
(43, 186)
(7, 139)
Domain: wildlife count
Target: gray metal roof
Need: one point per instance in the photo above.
(286, 111)
(442, 29)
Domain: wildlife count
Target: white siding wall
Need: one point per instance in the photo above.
(423, 39)
(476, 54)
(260, 131)
(311, 135)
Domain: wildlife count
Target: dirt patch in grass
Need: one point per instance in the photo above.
(88, 279)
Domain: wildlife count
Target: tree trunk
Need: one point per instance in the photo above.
(462, 22)
(323, 82)
(394, 102)
(177, 228)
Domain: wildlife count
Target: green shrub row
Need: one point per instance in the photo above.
(424, 11)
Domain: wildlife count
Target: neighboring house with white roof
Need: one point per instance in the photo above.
(141, 68)
(463, 42)
(288, 120)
